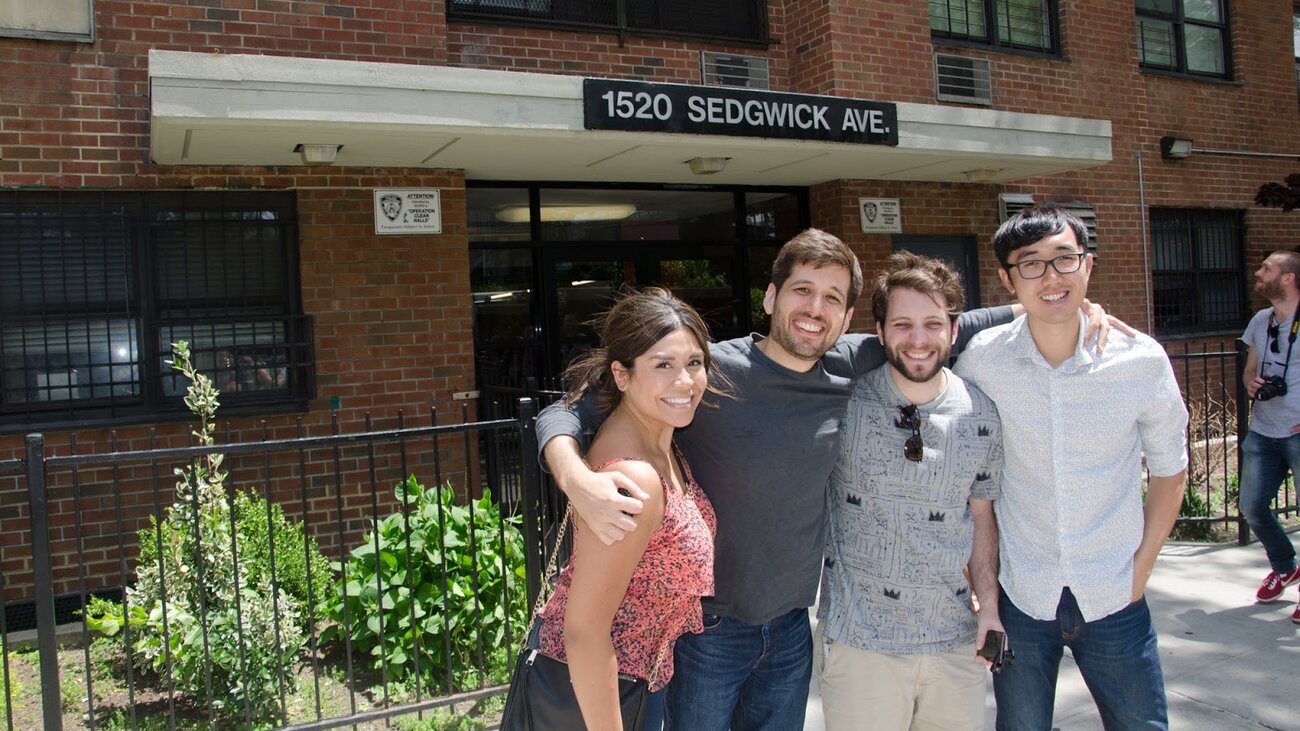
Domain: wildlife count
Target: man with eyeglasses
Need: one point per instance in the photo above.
(911, 506)
(1273, 445)
(1077, 542)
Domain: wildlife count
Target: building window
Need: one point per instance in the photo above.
(1185, 36)
(742, 20)
(1024, 24)
(1196, 271)
(98, 285)
(1295, 45)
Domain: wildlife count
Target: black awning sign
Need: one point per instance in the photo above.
(634, 106)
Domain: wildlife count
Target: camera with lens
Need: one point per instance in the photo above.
(1273, 387)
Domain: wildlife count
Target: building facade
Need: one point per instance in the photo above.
(359, 206)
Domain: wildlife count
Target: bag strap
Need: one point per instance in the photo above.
(549, 573)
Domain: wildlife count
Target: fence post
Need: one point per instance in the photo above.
(532, 498)
(1243, 428)
(46, 639)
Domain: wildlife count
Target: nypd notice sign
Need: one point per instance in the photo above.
(633, 106)
(408, 211)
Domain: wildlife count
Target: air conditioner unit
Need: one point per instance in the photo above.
(961, 79)
(729, 69)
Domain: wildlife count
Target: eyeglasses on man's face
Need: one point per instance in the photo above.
(1036, 268)
(914, 447)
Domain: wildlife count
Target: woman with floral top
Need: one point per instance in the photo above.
(620, 608)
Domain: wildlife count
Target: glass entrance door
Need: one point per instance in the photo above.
(587, 280)
(545, 260)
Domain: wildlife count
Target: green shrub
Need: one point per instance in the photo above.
(291, 560)
(228, 635)
(390, 610)
(1194, 505)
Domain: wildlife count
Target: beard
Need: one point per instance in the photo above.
(1271, 290)
(908, 370)
(801, 349)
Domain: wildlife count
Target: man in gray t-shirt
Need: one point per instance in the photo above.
(1272, 378)
(911, 506)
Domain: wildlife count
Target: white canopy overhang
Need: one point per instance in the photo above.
(215, 109)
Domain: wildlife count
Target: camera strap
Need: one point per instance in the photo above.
(1290, 341)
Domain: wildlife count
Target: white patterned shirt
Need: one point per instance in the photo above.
(900, 531)
(1074, 436)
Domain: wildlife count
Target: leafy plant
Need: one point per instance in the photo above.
(205, 608)
(426, 601)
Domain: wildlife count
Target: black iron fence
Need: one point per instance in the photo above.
(1219, 413)
(417, 548)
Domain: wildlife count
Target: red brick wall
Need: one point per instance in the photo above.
(77, 114)
(392, 314)
(393, 331)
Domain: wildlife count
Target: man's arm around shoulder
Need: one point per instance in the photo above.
(595, 496)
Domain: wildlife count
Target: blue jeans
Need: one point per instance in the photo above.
(1116, 655)
(654, 711)
(1264, 464)
(743, 677)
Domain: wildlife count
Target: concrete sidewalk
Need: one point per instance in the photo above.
(1230, 664)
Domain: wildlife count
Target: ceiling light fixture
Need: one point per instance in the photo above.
(982, 175)
(707, 165)
(589, 212)
(1175, 148)
(315, 154)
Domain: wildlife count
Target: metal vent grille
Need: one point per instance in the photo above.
(1009, 204)
(727, 69)
(961, 79)
(1086, 214)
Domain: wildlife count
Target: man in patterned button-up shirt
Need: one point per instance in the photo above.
(1077, 542)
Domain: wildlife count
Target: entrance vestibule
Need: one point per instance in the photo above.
(545, 260)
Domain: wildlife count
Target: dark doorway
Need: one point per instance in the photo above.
(546, 260)
(958, 251)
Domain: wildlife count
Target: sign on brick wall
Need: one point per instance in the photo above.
(880, 215)
(634, 106)
(408, 211)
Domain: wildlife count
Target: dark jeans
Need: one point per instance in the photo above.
(743, 677)
(1264, 464)
(1116, 655)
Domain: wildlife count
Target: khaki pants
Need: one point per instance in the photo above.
(868, 690)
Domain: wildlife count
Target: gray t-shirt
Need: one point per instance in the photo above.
(764, 460)
(900, 531)
(1275, 417)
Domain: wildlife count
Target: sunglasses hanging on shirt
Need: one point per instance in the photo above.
(910, 418)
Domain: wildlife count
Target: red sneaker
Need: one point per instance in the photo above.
(1274, 584)
(1295, 616)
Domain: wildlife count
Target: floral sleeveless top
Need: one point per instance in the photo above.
(662, 601)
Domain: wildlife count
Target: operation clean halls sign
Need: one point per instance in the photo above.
(633, 106)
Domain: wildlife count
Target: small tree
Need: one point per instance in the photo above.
(1285, 195)
(207, 609)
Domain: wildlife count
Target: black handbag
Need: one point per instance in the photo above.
(541, 696)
